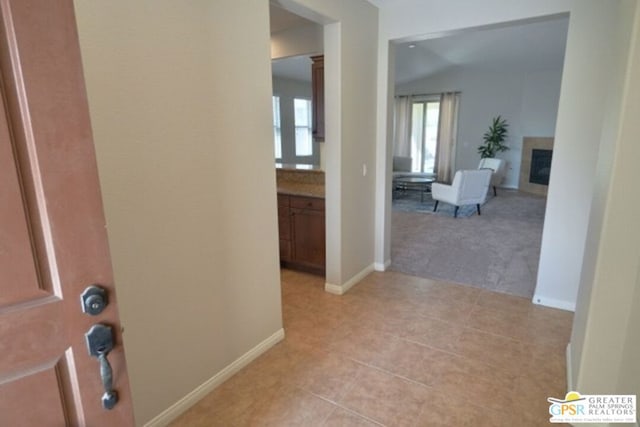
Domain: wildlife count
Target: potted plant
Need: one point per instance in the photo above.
(494, 138)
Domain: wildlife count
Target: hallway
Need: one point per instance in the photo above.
(398, 350)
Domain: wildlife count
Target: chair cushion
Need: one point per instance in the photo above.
(401, 164)
(498, 166)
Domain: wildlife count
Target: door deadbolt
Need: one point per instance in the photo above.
(94, 300)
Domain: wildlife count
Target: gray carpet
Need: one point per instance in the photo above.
(498, 250)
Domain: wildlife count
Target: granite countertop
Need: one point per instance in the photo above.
(300, 182)
(301, 189)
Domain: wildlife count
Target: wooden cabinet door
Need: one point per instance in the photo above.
(317, 102)
(53, 239)
(284, 227)
(308, 235)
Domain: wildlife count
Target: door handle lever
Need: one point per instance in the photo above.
(110, 397)
(99, 343)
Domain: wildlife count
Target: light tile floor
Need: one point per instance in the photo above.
(398, 350)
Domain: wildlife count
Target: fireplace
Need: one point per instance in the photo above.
(540, 166)
(535, 164)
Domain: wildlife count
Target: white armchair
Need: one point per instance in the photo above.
(469, 187)
(498, 166)
(401, 164)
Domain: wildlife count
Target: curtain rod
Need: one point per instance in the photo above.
(429, 94)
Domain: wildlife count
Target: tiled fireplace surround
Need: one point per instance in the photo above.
(529, 144)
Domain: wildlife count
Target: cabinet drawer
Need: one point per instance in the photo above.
(307, 203)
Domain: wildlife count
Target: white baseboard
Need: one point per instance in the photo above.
(569, 363)
(193, 397)
(554, 303)
(378, 266)
(341, 289)
(333, 289)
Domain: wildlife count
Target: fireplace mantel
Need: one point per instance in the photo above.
(529, 144)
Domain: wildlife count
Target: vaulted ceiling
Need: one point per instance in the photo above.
(521, 47)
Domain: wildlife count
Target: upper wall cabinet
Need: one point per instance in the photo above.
(317, 107)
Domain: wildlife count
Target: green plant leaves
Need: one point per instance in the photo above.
(494, 138)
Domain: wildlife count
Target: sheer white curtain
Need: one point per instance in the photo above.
(447, 136)
(402, 126)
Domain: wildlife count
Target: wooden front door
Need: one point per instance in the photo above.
(53, 241)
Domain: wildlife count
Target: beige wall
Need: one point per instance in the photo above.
(355, 191)
(629, 372)
(182, 123)
(588, 70)
(605, 344)
(603, 176)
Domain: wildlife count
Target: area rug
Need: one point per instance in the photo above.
(498, 250)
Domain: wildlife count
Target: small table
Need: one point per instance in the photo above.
(406, 183)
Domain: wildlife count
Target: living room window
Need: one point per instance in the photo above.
(302, 119)
(277, 132)
(424, 134)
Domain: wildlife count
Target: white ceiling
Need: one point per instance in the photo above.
(528, 46)
(297, 67)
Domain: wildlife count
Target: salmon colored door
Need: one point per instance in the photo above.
(53, 240)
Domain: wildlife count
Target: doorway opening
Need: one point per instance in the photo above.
(514, 71)
(297, 47)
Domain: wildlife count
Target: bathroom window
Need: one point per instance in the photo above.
(277, 131)
(302, 119)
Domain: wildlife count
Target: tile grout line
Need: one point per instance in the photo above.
(345, 408)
